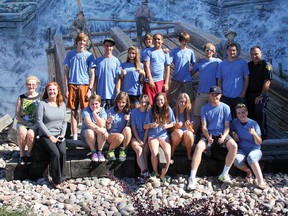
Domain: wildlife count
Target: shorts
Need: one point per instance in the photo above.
(134, 99)
(201, 100)
(176, 88)
(153, 92)
(32, 127)
(252, 157)
(223, 145)
(77, 95)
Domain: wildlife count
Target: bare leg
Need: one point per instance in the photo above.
(74, 115)
(114, 140)
(127, 136)
(258, 173)
(167, 152)
(21, 140)
(232, 151)
(30, 138)
(188, 140)
(90, 138)
(139, 150)
(176, 138)
(154, 148)
(201, 146)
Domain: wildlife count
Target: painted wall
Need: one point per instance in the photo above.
(24, 27)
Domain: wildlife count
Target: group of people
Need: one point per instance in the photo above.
(131, 103)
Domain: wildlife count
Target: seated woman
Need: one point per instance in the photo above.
(132, 76)
(93, 127)
(26, 116)
(51, 120)
(246, 132)
(159, 118)
(183, 129)
(117, 126)
(139, 140)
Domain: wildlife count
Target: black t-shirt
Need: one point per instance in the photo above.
(258, 74)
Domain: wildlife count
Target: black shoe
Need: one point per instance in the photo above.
(22, 161)
(29, 160)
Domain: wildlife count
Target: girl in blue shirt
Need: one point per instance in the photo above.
(183, 129)
(132, 76)
(246, 132)
(117, 125)
(159, 118)
(140, 135)
(93, 127)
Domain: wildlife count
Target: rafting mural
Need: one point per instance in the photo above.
(24, 28)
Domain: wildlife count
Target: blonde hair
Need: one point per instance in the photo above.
(31, 77)
(137, 62)
(209, 45)
(188, 108)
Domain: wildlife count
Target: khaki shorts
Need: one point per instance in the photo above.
(77, 95)
(201, 100)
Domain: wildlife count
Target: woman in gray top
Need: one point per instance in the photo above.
(51, 120)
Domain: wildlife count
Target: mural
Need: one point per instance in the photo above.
(24, 30)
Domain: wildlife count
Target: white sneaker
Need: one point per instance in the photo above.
(225, 178)
(191, 184)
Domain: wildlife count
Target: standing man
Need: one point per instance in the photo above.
(79, 79)
(157, 67)
(233, 79)
(107, 76)
(259, 83)
(181, 80)
(216, 117)
(78, 25)
(143, 16)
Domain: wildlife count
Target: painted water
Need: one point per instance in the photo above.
(256, 22)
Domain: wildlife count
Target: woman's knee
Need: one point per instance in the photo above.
(254, 156)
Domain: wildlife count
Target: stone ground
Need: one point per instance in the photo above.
(113, 196)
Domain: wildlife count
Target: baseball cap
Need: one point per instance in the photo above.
(215, 89)
(109, 40)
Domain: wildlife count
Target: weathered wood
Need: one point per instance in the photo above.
(5, 121)
(122, 40)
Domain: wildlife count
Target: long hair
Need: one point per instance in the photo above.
(188, 108)
(137, 57)
(81, 36)
(162, 116)
(95, 97)
(59, 99)
(119, 97)
(145, 96)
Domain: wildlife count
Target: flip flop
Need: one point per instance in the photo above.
(262, 186)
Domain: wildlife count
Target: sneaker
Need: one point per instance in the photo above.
(191, 184)
(122, 154)
(153, 176)
(22, 160)
(94, 157)
(225, 178)
(29, 160)
(111, 155)
(101, 157)
(141, 180)
(165, 181)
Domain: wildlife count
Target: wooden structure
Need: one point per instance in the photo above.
(275, 149)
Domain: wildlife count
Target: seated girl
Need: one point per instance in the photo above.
(118, 127)
(246, 132)
(159, 118)
(183, 129)
(93, 127)
(139, 140)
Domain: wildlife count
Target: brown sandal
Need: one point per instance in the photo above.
(262, 186)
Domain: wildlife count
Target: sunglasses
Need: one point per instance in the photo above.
(207, 50)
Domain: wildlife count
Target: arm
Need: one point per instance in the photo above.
(148, 73)
(100, 122)
(167, 78)
(118, 85)
(265, 88)
(257, 138)
(66, 76)
(246, 82)
(64, 122)
(206, 132)
(91, 82)
(219, 83)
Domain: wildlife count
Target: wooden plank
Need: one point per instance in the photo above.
(121, 38)
(5, 121)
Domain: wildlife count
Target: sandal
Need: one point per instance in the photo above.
(59, 186)
(262, 186)
(249, 177)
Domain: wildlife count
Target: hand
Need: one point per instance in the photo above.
(67, 94)
(53, 139)
(178, 124)
(210, 139)
(221, 139)
(151, 84)
(189, 125)
(242, 95)
(141, 72)
(154, 125)
(252, 131)
(258, 100)
(123, 72)
(165, 87)
(60, 139)
(127, 117)
(110, 118)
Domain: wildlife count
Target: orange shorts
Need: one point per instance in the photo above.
(77, 95)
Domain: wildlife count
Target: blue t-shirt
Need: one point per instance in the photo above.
(215, 117)
(119, 123)
(87, 112)
(158, 60)
(137, 120)
(232, 76)
(181, 118)
(182, 60)
(207, 73)
(131, 81)
(79, 64)
(158, 132)
(107, 73)
(246, 141)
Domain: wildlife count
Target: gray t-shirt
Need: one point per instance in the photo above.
(51, 120)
